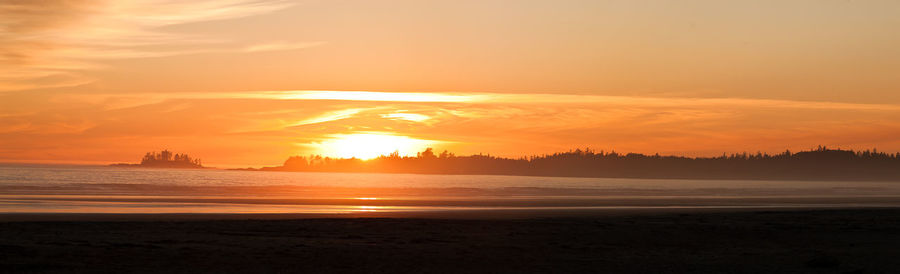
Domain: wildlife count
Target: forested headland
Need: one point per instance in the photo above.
(818, 164)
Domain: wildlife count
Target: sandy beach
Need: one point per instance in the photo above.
(732, 241)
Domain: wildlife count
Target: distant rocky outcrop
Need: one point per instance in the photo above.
(165, 159)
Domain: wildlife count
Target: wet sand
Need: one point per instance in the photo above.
(648, 241)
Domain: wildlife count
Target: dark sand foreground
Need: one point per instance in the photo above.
(819, 241)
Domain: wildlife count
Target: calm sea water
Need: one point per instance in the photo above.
(94, 189)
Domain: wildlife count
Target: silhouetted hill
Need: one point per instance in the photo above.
(165, 159)
(819, 164)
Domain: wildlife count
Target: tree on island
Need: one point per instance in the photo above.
(166, 158)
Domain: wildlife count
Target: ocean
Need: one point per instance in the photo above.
(102, 189)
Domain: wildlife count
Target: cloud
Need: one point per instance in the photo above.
(675, 102)
(499, 103)
(255, 127)
(360, 96)
(504, 99)
(45, 43)
(414, 117)
(329, 116)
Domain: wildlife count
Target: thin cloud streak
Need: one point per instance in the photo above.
(503, 99)
(367, 96)
(527, 98)
(667, 101)
(329, 116)
(413, 117)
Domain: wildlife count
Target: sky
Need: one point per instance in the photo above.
(251, 82)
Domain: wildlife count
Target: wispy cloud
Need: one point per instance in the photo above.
(414, 117)
(266, 125)
(503, 100)
(362, 96)
(674, 102)
(542, 99)
(329, 116)
(45, 43)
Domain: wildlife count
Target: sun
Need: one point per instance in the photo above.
(370, 145)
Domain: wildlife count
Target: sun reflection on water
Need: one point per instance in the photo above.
(367, 209)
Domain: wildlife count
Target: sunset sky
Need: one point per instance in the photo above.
(251, 82)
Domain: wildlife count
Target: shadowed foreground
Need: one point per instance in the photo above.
(829, 241)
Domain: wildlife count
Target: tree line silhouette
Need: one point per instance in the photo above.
(818, 164)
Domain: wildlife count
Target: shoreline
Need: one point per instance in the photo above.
(127, 166)
(466, 214)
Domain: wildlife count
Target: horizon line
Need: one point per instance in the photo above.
(586, 149)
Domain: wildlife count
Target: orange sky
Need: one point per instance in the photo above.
(249, 83)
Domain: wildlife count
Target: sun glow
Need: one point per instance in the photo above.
(370, 145)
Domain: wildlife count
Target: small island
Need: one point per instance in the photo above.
(165, 159)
